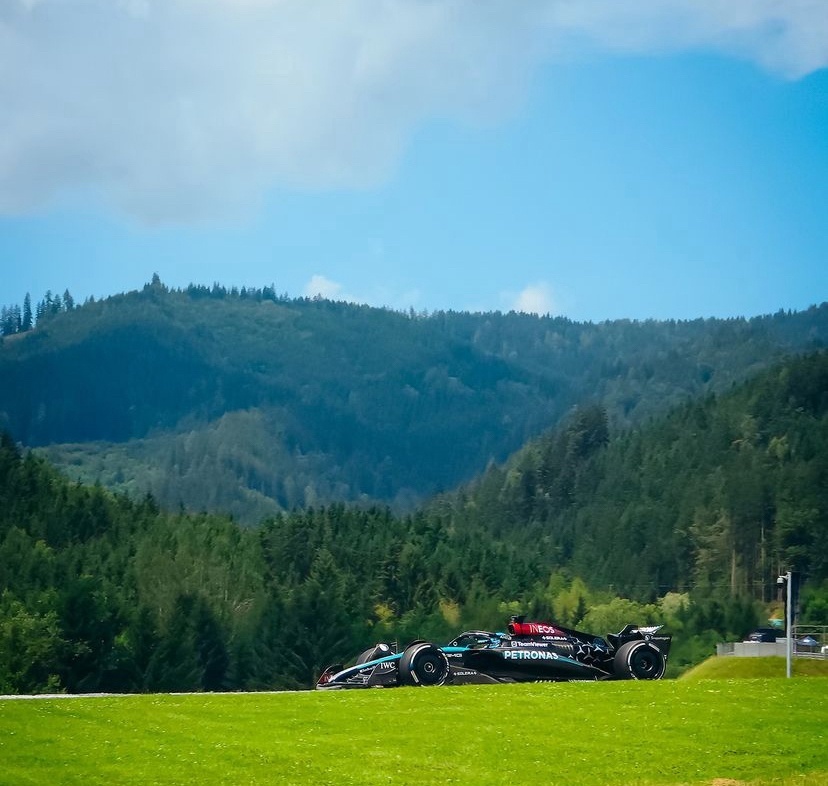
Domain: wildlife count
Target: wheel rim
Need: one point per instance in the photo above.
(429, 670)
(646, 664)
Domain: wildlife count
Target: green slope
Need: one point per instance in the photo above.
(714, 497)
(727, 668)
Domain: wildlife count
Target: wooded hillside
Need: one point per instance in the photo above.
(685, 522)
(247, 402)
(720, 496)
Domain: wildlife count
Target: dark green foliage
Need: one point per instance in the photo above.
(249, 403)
(687, 521)
(31, 646)
(98, 592)
(815, 605)
(719, 497)
(191, 652)
(89, 622)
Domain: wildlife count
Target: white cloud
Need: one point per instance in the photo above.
(320, 286)
(379, 295)
(175, 110)
(534, 299)
(785, 36)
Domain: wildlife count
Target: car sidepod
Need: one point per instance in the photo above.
(530, 663)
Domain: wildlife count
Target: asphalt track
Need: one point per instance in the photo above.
(35, 696)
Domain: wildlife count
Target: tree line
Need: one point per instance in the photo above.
(16, 319)
(684, 522)
(247, 401)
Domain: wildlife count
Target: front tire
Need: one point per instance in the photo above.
(639, 660)
(423, 664)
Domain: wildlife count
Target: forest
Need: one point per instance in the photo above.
(684, 520)
(247, 402)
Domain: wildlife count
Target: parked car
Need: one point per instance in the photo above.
(765, 635)
(806, 644)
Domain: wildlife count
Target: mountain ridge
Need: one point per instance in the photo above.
(253, 403)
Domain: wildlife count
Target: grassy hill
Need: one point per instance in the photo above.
(729, 668)
(663, 733)
(250, 403)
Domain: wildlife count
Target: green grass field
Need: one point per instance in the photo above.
(716, 732)
(757, 668)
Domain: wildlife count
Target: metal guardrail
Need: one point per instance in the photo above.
(804, 635)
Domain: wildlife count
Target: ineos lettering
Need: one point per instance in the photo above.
(536, 627)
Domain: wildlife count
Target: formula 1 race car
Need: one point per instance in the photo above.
(529, 652)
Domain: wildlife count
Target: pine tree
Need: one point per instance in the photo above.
(28, 319)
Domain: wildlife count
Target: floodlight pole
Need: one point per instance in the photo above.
(788, 626)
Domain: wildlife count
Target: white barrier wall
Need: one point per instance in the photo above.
(753, 649)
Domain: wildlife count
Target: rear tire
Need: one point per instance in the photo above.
(639, 660)
(423, 664)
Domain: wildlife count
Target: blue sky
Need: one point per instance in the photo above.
(622, 160)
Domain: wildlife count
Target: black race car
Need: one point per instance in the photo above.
(529, 652)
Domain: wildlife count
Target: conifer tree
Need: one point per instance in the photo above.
(28, 318)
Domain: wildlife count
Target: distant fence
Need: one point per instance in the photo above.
(810, 641)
